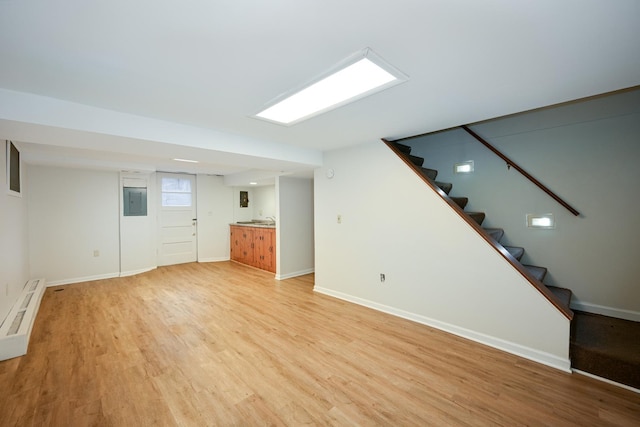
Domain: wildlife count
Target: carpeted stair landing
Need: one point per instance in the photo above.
(607, 347)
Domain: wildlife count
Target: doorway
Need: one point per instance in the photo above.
(177, 220)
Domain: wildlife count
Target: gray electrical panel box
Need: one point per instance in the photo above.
(135, 201)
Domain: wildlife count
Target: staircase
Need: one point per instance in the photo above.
(561, 296)
(600, 345)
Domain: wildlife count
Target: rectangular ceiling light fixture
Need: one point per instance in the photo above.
(358, 76)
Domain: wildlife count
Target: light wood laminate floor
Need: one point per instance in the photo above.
(224, 344)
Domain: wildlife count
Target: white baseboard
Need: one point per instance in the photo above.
(498, 343)
(294, 274)
(83, 279)
(606, 311)
(214, 259)
(134, 272)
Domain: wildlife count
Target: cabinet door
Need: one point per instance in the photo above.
(271, 251)
(246, 245)
(235, 240)
(265, 249)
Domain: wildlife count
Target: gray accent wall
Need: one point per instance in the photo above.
(586, 152)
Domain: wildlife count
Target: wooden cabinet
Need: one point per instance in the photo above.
(254, 246)
(264, 253)
(242, 244)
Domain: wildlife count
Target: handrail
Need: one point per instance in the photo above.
(511, 163)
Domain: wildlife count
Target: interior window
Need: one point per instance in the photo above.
(176, 192)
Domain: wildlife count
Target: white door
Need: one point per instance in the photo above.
(177, 220)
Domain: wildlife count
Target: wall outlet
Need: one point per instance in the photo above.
(382, 278)
(96, 253)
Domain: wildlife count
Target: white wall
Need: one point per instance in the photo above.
(72, 213)
(264, 202)
(439, 271)
(586, 152)
(294, 232)
(14, 244)
(138, 242)
(242, 214)
(215, 213)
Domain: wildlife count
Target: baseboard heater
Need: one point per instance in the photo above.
(16, 328)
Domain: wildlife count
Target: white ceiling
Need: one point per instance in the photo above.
(133, 84)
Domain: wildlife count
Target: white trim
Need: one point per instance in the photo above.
(606, 380)
(214, 259)
(606, 311)
(500, 344)
(134, 272)
(294, 274)
(82, 279)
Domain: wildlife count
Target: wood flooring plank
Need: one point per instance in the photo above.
(224, 344)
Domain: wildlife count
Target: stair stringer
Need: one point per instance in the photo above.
(439, 270)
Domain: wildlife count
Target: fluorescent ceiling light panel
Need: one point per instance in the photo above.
(360, 75)
(186, 160)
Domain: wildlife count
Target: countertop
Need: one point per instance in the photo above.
(254, 224)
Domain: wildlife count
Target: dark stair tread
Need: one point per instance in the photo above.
(429, 173)
(608, 334)
(537, 272)
(515, 251)
(495, 233)
(460, 201)
(477, 216)
(607, 347)
(444, 186)
(404, 148)
(418, 161)
(563, 294)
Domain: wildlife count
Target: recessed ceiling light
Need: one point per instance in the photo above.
(358, 76)
(186, 160)
(253, 183)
